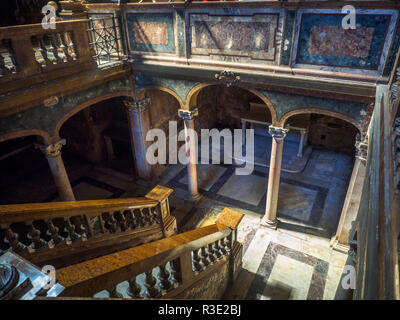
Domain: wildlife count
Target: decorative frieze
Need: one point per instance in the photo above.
(227, 78)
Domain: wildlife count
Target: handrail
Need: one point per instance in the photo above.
(191, 254)
(38, 211)
(51, 232)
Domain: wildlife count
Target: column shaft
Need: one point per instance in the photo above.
(278, 134)
(190, 145)
(57, 168)
(139, 124)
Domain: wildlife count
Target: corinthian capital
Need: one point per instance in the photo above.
(188, 114)
(278, 133)
(137, 106)
(52, 150)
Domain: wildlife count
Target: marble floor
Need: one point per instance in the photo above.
(293, 262)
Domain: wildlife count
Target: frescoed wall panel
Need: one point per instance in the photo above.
(236, 35)
(322, 43)
(151, 32)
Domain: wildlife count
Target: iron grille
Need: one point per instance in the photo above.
(105, 37)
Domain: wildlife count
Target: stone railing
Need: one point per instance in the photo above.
(33, 54)
(375, 231)
(199, 264)
(63, 233)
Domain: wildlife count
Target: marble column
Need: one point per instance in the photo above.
(139, 123)
(278, 135)
(190, 144)
(57, 168)
(340, 241)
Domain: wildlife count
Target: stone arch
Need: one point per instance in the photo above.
(333, 114)
(86, 104)
(140, 94)
(191, 98)
(25, 133)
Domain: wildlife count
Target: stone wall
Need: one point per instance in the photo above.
(332, 133)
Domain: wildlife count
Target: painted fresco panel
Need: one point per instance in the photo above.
(151, 32)
(237, 36)
(322, 43)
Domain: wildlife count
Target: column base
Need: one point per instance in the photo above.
(269, 224)
(335, 245)
(195, 197)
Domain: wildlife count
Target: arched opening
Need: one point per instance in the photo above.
(25, 176)
(98, 153)
(105, 144)
(312, 200)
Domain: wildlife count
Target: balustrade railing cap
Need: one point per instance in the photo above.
(230, 218)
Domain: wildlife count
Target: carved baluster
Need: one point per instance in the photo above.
(150, 217)
(34, 235)
(221, 247)
(150, 285)
(132, 219)
(53, 48)
(3, 69)
(101, 223)
(165, 283)
(112, 223)
(43, 50)
(134, 289)
(70, 229)
(142, 218)
(79, 227)
(56, 239)
(71, 46)
(176, 275)
(227, 244)
(12, 239)
(114, 293)
(198, 266)
(13, 57)
(157, 214)
(210, 252)
(64, 47)
(216, 252)
(123, 224)
(204, 257)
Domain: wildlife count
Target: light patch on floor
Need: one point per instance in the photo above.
(249, 189)
(291, 276)
(296, 201)
(207, 175)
